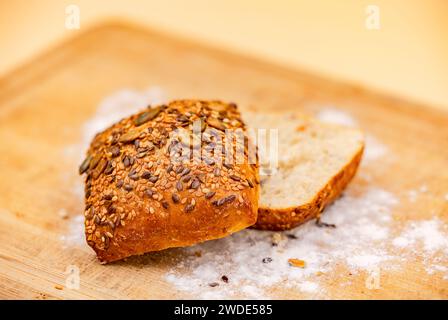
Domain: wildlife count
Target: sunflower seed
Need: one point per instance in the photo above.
(185, 171)
(183, 118)
(186, 178)
(189, 207)
(179, 170)
(224, 200)
(227, 165)
(146, 175)
(175, 197)
(115, 151)
(109, 168)
(201, 177)
(210, 194)
(107, 197)
(234, 177)
(195, 184)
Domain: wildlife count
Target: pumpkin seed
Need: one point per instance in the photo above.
(95, 160)
(147, 116)
(85, 164)
(218, 107)
(130, 136)
(100, 168)
(215, 123)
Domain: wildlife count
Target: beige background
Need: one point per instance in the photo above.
(408, 56)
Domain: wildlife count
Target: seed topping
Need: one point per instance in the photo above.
(135, 165)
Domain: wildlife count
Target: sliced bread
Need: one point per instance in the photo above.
(315, 162)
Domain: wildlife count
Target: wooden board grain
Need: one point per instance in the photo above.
(44, 104)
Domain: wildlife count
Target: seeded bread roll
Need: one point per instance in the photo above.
(151, 184)
(315, 163)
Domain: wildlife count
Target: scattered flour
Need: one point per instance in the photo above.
(430, 234)
(365, 261)
(414, 194)
(358, 241)
(374, 148)
(336, 116)
(428, 240)
(75, 235)
(308, 286)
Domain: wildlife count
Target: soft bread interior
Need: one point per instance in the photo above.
(310, 153)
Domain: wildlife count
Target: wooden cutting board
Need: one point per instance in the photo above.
(44, 104)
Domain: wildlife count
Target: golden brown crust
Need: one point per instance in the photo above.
(288, 218)
(143, 194)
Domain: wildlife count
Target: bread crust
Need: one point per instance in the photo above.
(291, 217)
(141, 198)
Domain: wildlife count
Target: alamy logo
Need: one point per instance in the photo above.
(373, 278)
(211, 146)
(72, 17)
(73, 280)
(373, 17)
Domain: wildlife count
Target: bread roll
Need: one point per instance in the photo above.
(151, 184)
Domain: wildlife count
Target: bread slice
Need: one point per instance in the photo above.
(315, 163)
